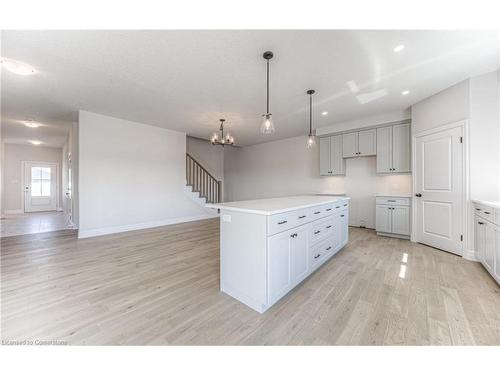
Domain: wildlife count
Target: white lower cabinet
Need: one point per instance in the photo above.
(296, 253)
(392, 216)
(487, 240)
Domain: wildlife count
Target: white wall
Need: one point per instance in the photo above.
(447, 106)
(287, 167)
(131, 176)
(209, 156)
(14, 155)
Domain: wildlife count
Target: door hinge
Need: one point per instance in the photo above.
(461, 140)
(461, 237)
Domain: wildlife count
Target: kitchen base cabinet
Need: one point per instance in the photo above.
(487, 238)
(264, 255)
(393, 216)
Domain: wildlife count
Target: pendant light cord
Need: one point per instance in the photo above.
(310, 114)
(267, 87)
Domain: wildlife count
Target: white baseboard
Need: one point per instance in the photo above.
(85, 233)
(10, 212)
(470, 255)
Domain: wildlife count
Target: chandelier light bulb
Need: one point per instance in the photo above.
(267, 126)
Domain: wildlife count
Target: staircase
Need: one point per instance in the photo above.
(202, 182)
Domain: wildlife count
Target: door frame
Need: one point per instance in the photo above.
(23, 182)
(467, 222)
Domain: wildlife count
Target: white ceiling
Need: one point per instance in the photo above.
(187, 80)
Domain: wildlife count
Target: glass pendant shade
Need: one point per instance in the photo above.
(267, 126)
(311, 141)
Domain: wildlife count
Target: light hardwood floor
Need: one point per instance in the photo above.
(161, 286)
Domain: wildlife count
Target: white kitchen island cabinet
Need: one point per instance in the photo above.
(268, 246)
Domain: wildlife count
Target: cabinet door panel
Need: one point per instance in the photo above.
(344, 227)
(324, 156)
(383, 219)
(384, 149)
(401, 148)
(400, 220)
(479, 234)
(278, 266)
(349, 145)
(497, 254)
(337, 232)
(367, 144)
(489, 246)
(337, 162)
(298, 255)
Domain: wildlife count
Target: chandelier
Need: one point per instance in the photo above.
(221, 139)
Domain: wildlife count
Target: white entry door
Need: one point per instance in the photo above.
(439, 185)
(40, 186)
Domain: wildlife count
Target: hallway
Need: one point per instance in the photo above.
(31, 223)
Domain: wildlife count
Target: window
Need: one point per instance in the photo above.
(40, 181)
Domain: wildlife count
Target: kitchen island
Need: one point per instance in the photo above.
(268, 246)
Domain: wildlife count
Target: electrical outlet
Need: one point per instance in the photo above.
(226, 218)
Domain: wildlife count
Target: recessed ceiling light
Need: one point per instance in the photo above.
(405, 92)
(399, 48)
(324, 113)
(17, 67)
(36, 143)
(31, 124)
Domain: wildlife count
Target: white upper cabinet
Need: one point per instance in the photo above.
(331, 162)
(393, 149)
(367, 144)
(362, 143)
(350, 145)
(384, 150)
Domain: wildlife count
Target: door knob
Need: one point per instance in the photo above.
(418, 195)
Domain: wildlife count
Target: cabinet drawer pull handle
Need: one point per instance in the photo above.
(345, 204)
(317, 256)
(487, 212)
(301, 217)
(328, 248)
(337, 206)
(341, 215)
(391, 200)
(317, 212)
(318, 231)
(328, 209)
(282, 222)
(329, 226)
(480, 222)
(478, 209)
(293, 235)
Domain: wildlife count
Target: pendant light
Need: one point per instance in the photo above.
(267, 126)
(311, 140)
(221, 139)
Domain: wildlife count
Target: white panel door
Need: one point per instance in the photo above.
(439, 190)
(400, 148)
(324, 156)
(384, 150)
(40, 186)
(383, 219)
(401, 220)
(367, 144)
(278, 266)
(299, 267)
(337, 162)
(349, 145)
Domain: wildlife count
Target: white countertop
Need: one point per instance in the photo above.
(487, 203)
(273, 206)
(394, 195)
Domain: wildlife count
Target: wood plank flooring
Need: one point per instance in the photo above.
(161, 287)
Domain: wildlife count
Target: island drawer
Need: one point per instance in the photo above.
(484, 212)
(321, 229)
(281, 222)
(320, 252)
(393, 201)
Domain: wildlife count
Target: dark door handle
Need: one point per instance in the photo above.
(418, 195)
